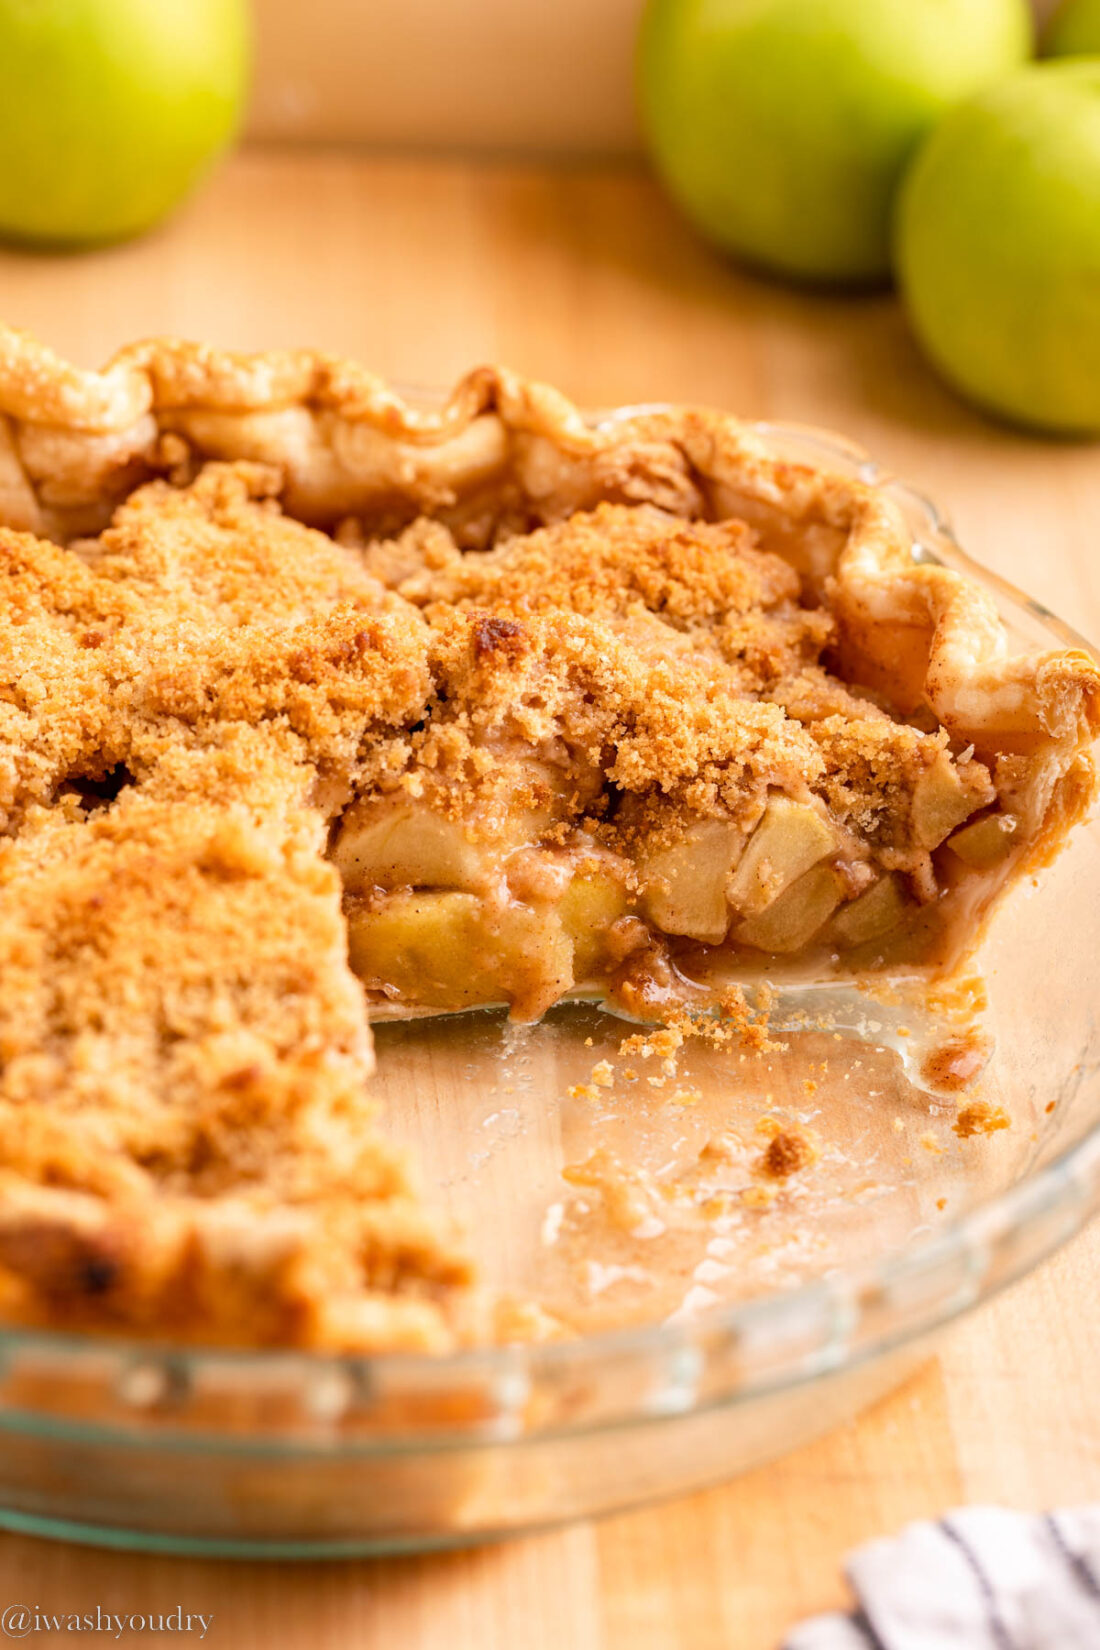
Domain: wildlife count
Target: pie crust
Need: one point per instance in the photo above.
(502, 702)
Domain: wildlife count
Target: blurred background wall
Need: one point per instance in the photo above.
(535, 75)
(544, 75)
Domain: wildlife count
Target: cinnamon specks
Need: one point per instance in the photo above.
(957, 1063)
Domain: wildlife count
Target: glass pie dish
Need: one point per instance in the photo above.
(724, 1347)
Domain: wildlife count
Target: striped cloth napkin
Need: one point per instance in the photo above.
(982, 1578)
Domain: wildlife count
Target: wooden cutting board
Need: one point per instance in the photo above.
(584, 276)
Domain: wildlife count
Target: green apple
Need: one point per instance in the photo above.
(1074, 30)
(999, 246)
(782, 126)
(110, 110)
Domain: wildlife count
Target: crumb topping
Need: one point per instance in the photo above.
(183, 1114)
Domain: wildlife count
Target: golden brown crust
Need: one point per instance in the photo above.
(184, 1140)
(657, 609)
(344, 443)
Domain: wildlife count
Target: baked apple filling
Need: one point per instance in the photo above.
(637, 778)
(464, 925)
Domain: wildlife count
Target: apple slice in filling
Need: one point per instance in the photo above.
(446, 912)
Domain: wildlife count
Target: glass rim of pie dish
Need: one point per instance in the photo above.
(381, 1404)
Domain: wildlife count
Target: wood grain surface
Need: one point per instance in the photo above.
(584, 276)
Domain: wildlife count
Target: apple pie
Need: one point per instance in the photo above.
(316, 709)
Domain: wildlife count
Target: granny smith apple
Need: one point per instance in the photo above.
(782, 126)
(999, 246)
(1074, 30)
(110, 110)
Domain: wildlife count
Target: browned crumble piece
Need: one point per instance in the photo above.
(788, 1153)
(980, 1117)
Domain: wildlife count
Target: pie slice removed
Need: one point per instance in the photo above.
(314, 708)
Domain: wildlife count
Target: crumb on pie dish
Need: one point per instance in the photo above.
(316, 710)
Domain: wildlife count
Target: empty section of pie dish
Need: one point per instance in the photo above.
(709, 1332)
